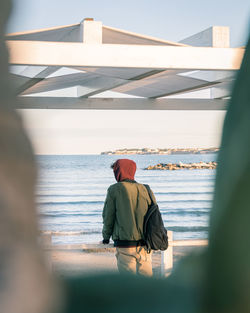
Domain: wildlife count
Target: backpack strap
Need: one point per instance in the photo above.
(149, 193)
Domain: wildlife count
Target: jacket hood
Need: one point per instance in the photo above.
(124, 169)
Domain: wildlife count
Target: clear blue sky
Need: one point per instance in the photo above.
(95, 131)
(170, 20)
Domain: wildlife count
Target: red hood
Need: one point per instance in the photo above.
(124, 169)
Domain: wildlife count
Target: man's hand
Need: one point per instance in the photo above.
(105, 241)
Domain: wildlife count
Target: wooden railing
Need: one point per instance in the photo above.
(166, 256)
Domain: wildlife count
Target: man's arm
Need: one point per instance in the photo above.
(108, 216)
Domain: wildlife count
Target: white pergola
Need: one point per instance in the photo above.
(92, 66)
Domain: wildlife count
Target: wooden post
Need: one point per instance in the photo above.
(167, 257)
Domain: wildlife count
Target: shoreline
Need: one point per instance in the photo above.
(70, 262)
(158, 151)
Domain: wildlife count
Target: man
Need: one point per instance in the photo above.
(125, 207)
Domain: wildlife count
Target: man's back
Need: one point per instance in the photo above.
(129, 202)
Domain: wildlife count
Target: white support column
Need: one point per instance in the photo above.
(167, 257)
(91, 31)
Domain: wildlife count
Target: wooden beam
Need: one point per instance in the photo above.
(120, 103)
(133, 56)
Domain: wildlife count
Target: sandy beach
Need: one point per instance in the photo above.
(66, 261)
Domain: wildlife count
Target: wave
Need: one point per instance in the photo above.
(177, 229)
(184, 193)
(184, 229)
(70, 202)
(63, 195)
(164, 212)
(71, 214)
(70, 233)
(192, 204)
(163, 204)
(182, 212)
(101, 201)
(171, 179)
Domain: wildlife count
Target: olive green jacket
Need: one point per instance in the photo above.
(125, 207)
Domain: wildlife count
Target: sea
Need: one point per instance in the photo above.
(71, 191)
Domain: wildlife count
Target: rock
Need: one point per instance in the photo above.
(191, 166)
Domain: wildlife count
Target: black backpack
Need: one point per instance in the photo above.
(154, 232)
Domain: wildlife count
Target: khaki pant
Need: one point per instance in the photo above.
(134, 260)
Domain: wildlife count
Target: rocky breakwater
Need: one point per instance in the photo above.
(180, 165)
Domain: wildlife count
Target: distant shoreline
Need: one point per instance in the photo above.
(161, 151)
(178, 166)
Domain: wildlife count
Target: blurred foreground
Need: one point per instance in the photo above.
(217, 280)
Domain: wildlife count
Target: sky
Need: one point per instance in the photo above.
(86, 131)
